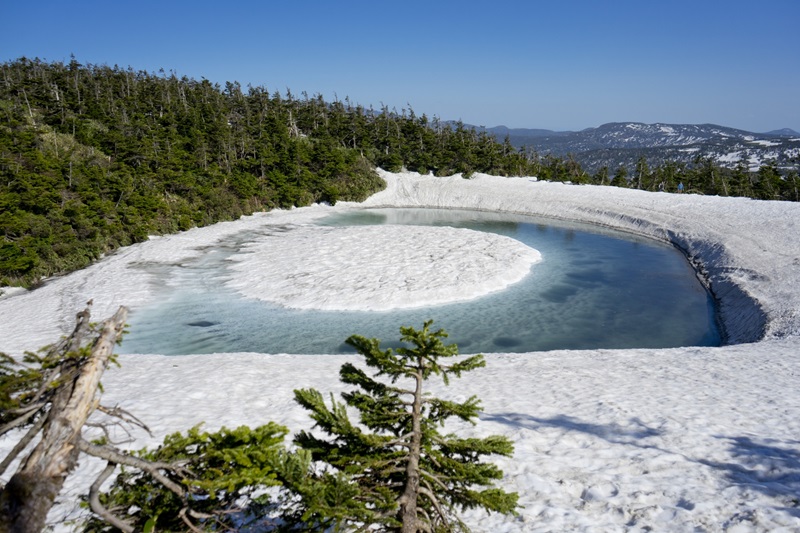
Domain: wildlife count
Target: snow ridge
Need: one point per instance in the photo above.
(623, 143)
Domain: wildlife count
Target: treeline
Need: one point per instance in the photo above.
(94, 157)
(703, 176)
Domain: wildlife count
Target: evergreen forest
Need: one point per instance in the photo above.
(94, 157)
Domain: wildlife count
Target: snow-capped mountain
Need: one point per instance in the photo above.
(623, 143)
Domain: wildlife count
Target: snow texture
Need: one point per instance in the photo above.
(377, 268)
(683, 439)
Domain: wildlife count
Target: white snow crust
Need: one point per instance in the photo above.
(763, 142)
(376, 268)
(684, 439)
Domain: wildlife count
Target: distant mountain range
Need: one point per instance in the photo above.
(623, 143)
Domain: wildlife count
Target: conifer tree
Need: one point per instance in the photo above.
(410, 477)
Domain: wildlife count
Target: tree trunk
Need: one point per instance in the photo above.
(408, 501)
(29, 495)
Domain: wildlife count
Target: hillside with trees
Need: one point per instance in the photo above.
(94, 157)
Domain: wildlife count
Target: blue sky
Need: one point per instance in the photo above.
(562, 65)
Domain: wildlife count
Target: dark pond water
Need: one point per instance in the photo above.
(593, 289)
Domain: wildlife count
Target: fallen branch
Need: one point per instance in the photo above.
(22, 444)
(97, 507)
(152, 468)
(29, 494)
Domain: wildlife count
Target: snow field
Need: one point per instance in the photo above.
(684, 439)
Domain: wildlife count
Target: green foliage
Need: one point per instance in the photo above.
(16, 385)
(224, 473)
(399, 441)
(93, 158)
(219, 480)
(620, 178)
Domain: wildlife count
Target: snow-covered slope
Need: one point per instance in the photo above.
(623, 143)
(685, 439)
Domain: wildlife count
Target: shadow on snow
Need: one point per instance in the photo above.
(768, 466)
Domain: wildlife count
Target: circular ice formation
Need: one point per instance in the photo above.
(378, 267)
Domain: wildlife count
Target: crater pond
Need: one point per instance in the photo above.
(594, 288)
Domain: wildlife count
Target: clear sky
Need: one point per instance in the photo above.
(562, 65)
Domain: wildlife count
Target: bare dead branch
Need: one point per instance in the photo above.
(27, 412)
(426, 524)
(29, 494)
(215, 516)
(397, 442)
(186, 520)
(103, 428)
(125, 416)
(97, 507)
(47, 388)
(124, 419)
(74, 402)
(152, 468)
(22, 444)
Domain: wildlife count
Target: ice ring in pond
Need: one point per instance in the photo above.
(366, 268)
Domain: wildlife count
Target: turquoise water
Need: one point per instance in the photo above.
(593, 289)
